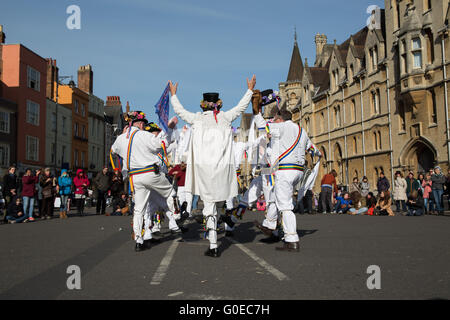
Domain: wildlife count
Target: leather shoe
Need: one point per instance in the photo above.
(290, 247)
(214, 253)
(139, 247)
(271, 239)
(263, 229)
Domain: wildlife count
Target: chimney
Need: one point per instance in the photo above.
(2, 35)
(52, 77)
(85, 78)
(113, 101)
(128, 107)
(321, 41)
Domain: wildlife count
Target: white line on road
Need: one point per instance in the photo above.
(164, 265)
(274, 271)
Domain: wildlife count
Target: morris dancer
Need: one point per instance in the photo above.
(211, 172)
(140, 149)
(288, 142)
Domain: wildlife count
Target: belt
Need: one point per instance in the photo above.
(327, 186)
(291, 166)
(151, 168)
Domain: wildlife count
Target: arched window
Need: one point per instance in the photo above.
(375, 141)
(353, 110)
(337, 116)
(322, 122)
(379, 140)
(355, 146)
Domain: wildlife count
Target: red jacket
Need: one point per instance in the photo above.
(29, 186)
(330, 180)
(180, 176)
(79, 181)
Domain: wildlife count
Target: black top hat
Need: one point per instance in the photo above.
(211, 97)
(268, 97)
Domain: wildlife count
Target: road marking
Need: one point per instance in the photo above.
(211, 297)
(274, 271)
(175, 294)
(165, 263)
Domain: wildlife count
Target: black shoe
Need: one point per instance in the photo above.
(227, 220)
(183, 218)
(271, 239)
(289, 247)
(214, 253)
(229, 234)
(139, 247)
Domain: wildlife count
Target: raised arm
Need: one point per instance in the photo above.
(187, 116)
(234, 113)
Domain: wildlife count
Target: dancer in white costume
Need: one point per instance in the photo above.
(211, 172)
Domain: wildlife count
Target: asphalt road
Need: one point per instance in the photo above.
(336, 250)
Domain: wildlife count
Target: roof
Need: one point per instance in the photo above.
(296, 67)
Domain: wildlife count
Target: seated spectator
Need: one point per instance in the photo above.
(261, 204)
(343, 203)
(371, 203)
(356, 208)
(15, 212)
(120, 206)
(355, 186)
(415, 204)
(384, 203)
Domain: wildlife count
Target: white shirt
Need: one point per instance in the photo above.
(144, 149)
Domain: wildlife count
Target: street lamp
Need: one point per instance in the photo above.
(71, 83)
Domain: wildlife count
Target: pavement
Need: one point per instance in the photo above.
(412, 254)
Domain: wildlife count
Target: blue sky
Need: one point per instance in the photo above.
(135, 46)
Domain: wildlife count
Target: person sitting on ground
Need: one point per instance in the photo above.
(356, 208)
(120, 206)
(15, 211)
(384, 203)
(261, 204)
(371, 203)
(415, 203)
(343, 203)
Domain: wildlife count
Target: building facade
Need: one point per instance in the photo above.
(23, 81)
(378, 101)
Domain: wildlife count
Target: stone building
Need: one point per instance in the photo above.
(378, 101)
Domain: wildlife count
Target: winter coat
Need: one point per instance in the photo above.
(29, 186)
(385, 206)
(9, 183)
(355, 187)
(65, 183)
(400, 187)
(438, 182)
(47, 186)
(412, 184)
(14, 209)
(365, 188)
(426, 185)
(383, 184)
(102, 181)
(79, 181)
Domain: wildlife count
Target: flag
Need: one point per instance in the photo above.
(162, 109)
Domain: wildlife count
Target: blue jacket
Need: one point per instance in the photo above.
(342, 201)
(65, 184)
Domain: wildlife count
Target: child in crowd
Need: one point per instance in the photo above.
(343, 203)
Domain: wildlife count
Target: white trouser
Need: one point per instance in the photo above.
(254, 192)
(285, 182)
(146, 184)
(210, 214)
(185, 195)
(157, 203)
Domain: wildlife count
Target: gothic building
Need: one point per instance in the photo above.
(378, 101)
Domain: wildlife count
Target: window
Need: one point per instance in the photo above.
(398, 15)
(374, 58)
(75, 129)
(337, 116)
(53, 153)
(32, 145)
(404, 60)
(98, 129)
(32, 112)
(375, 141)
(75, 157)
(379, 141)
(76, 107)
(82, 159)
(4, 122)
(322, 122)
(402, 117)
(433, 113)
(83, 109)
(353, 110)
(376, 101)
(307, 124)
(63, 154)
(351, 72)
(34, 78)
(427, 5)
(430, 45)
(417, 53)
(64, 127)
(355, 146)
(83, 131)
(54, 122)
(4, 155)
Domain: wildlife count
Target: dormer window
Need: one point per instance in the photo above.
(373, 53)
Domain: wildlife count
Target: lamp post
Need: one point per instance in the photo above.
(56, 116)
